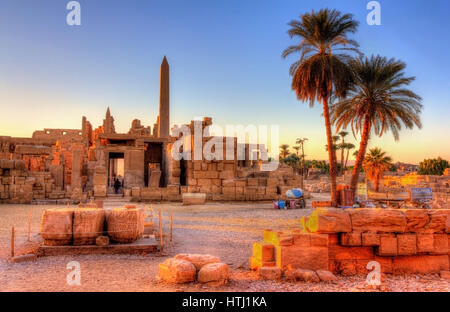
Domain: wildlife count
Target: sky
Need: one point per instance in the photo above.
(225, 63)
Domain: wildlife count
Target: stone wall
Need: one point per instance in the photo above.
(345, 241)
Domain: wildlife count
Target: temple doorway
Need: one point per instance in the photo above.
(116, 173)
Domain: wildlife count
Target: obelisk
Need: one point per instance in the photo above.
(164, 101)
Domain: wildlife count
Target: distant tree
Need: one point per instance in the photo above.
(296, 148)
(348, 147)
(284, 151)
(342, 147)
(302, 142)
(433, 166)
(375, 164)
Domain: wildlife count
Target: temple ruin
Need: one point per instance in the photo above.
(75, 165)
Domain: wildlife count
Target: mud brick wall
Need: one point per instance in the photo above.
(413, 241)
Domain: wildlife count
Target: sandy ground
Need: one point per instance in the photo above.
(224, 230)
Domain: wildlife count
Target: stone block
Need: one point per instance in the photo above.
(425, 243)
(406, 244)
(311, 258)
(177, 271)
(350, 253)
(378, 220)
(270, 273)
(329, 220)
(264, 251)
(351, 239)
(420, 264)
(194, 198)
(388, 245)
(416, 219)
(440, 244)
(214, 272)
(437, 223)
(370, 239)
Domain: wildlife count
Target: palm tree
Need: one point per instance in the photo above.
(322, 71)
(348, 147)
(296, 148)
(302, 144)
(342, 146)
(335, 138)
(284, 151)
(378, 101)
(375, 164)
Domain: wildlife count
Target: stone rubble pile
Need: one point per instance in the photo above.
(186, 268)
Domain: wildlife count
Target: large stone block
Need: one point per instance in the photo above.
(420, 264)
(350, 253)
(370, 239)
(194, 198)
(351, 239)
(425, 243)
(311, 258)
(328, 220)
(388, 245)
(406, 244)
(378, 220)
(416, 219)
(177, 271)
(437, 223)
(440, 244)
(214, 272)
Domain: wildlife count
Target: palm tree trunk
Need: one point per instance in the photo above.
(377, 184)
(331, 151)
(342, 157)
(346, 158)
(361, 153)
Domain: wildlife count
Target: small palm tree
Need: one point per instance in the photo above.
(322, 71)
(296, 148)
(342, 147)
(375, 164)
(284, 151)
(348, 147)
(379, 101)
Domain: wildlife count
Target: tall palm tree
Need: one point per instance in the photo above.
(342, 146)
(375, 164)
(296, 148)
(322, 71)
(302, 144)
(378, 101)
(348, 147)
(284, 151)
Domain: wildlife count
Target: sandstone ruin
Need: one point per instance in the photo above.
(57, 166)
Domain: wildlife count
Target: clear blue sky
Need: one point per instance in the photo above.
(225, 59)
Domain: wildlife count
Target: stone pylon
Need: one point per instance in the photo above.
(164, 101)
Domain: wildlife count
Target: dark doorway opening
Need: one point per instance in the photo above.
(153, 160)
(116, 171)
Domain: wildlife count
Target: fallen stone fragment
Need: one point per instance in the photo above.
(24, 258)
(214, 272)
(177, 271)
(304, 275)
(102, 241)
(270, 273)
(326, 276)
(198, 260)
